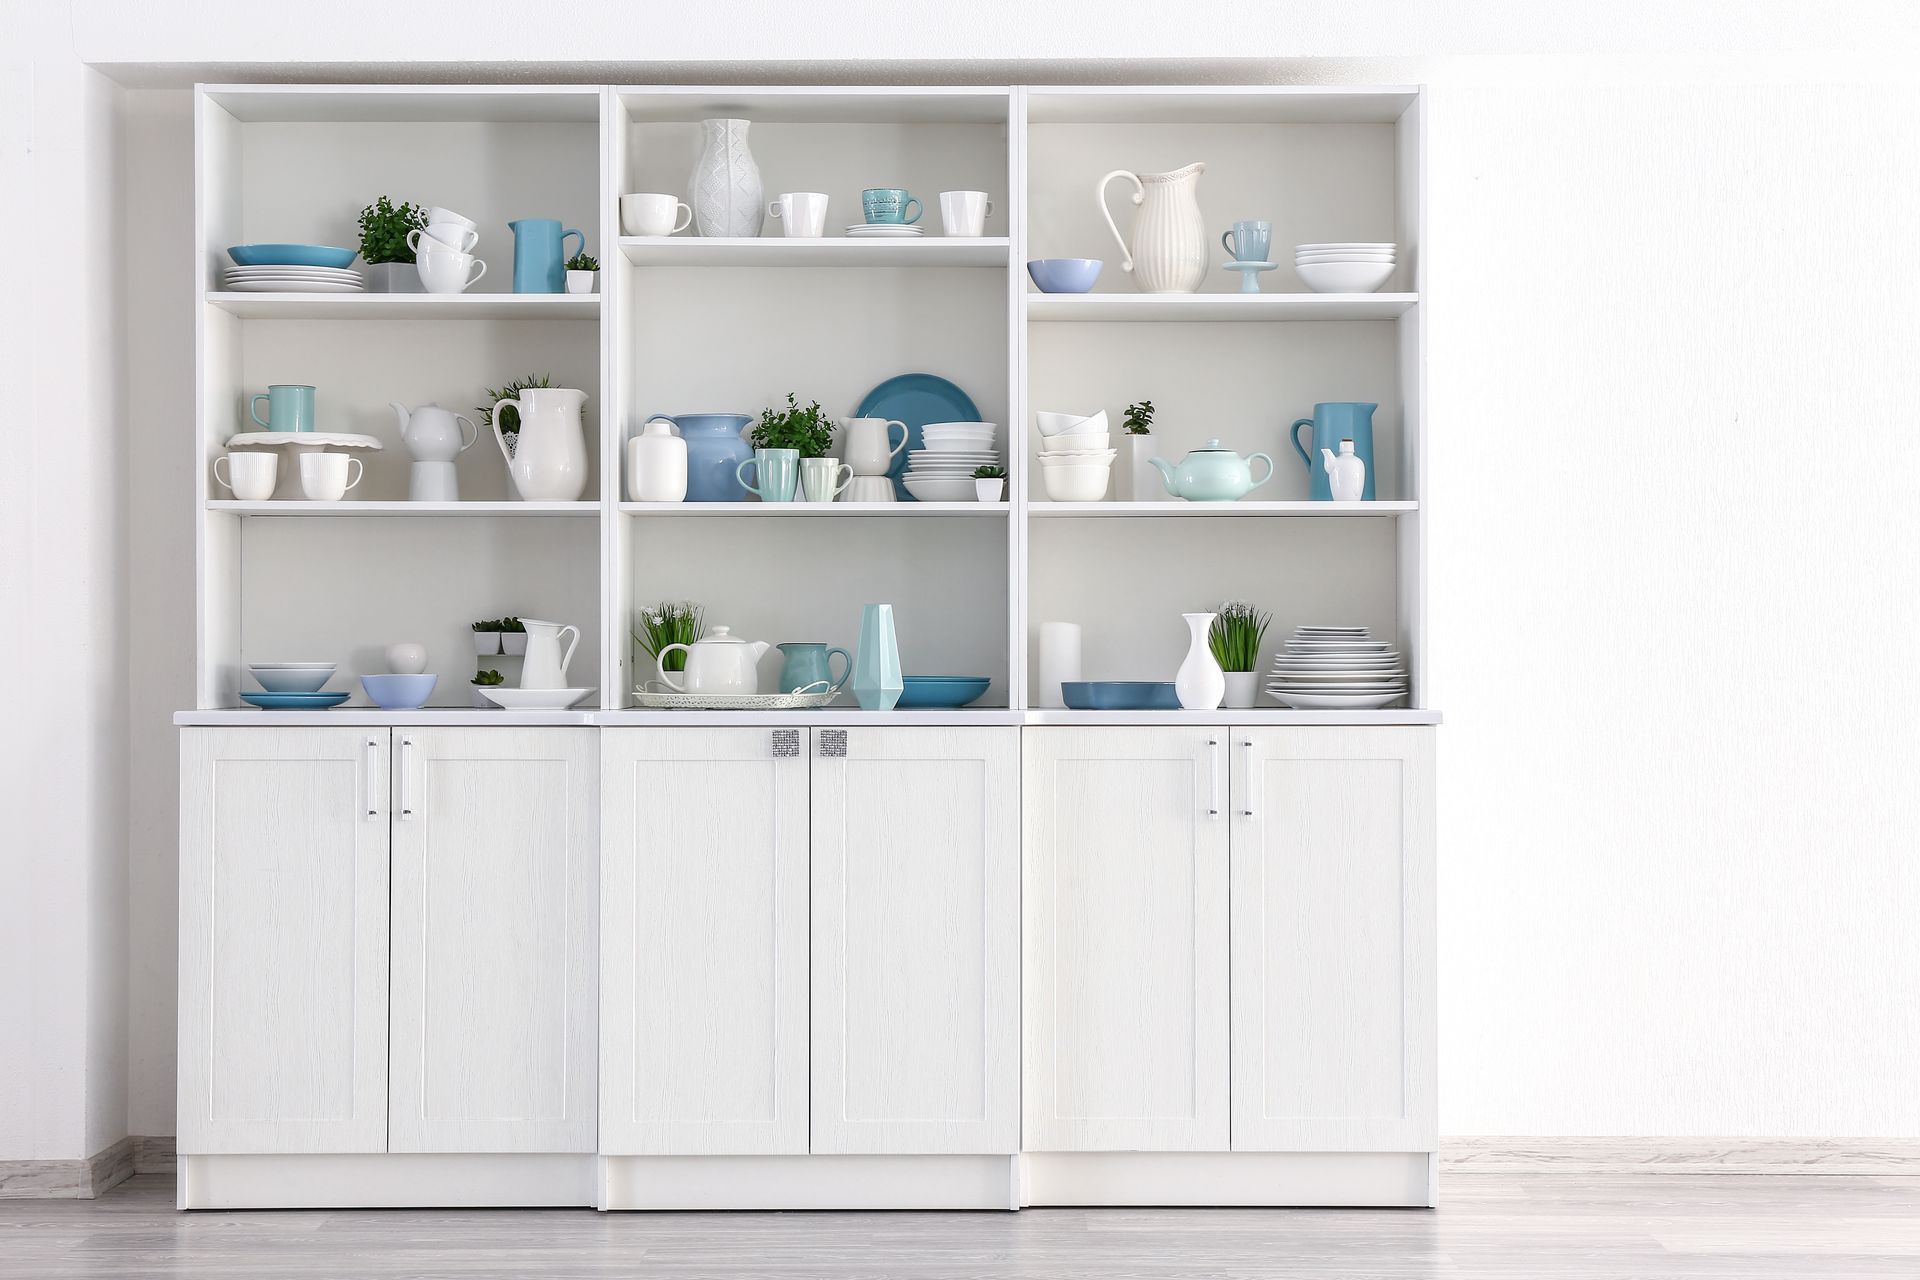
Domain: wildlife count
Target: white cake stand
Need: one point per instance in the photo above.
(297, 444)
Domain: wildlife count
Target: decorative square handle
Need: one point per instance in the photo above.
(786, 744)
(833, 744)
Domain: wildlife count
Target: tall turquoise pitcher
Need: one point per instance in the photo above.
(1332, 422)
(540, 256)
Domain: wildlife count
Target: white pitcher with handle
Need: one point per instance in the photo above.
(545, 666)
(548, 461)
(1170, 247)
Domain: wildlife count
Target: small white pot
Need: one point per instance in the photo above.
(513, 643)
(480, 699)
(1144, 484)
(988, 490)
(581, 281)
(393, 277)
(1243, 688)
(486, 642)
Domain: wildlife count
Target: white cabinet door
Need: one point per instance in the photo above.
(916, 941)
(1126, 939)
(496, 842)
(283, 940)
(704, 941)
(1333, 977)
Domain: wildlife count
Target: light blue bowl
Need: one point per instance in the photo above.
(940, 691)
(1065, 275)
(294, 701)
(292, 679)
(291, 255)
(399, 693)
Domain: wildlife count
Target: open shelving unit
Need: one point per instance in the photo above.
(683, 324)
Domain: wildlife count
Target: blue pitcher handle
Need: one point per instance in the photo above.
(1297, 446)
(566, 257)
(845, 671)
(253, 409)
(744, 464)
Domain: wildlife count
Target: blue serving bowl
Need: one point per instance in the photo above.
(399, 693)
(291, 255)
(294, 701)
(1065, 275)
(941, 691)
(1120, 695)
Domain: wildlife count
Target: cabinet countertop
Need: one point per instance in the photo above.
(846, 717)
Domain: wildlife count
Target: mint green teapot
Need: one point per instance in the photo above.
(1212, 474)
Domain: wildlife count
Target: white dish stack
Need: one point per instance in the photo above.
(943, 471)
(1076, 457)
(1326, 668)
(288, 279)
(1350, 267)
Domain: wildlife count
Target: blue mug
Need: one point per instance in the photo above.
(540, 254)
(1248, 241)
(889, 205)
(777, 472)
(1332, 422)
(289, 408)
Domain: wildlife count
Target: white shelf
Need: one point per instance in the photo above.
(796, 510)
(816, 104)
(393, 306)
(828, 251)
(1257, 716)
(1217, 104)
(1178, 508)
(1157, 308)
(420, 717)
(829, 716)
(351, 508)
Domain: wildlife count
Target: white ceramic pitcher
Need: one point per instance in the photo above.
(1170, 248)
(548, 462)
(545, 666)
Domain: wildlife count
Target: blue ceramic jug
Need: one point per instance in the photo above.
(540, 256)
(809, 663)
(1332, 422)
(715, 450)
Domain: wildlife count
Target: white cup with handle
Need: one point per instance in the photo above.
(250, 476)
(323, 476)
(649, 213)
(801, 214)
(448, 218)
(964, 213)
(445, 270)
(459, 239)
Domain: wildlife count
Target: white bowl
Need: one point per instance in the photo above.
(1366, 246)
(1081, 441)
(1077, 457)
(940, 488)
(292, 677)
(1076, 484)
(1344, 277)
(1343, 257)
(1060, 424)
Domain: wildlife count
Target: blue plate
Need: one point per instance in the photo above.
(1120, 695)
(916, 399)
(940, 691)
(291, 255)
(294, 701)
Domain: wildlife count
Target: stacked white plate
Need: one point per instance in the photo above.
(293, 280)
(943, 471)
(883, 230)
(1349, 267)
(1327, 668)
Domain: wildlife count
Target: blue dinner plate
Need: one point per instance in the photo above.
(916, 399)
(291, 255)
(294, 701)
(1120, 695)
(941, 691)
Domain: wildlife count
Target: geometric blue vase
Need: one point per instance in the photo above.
(876, 671)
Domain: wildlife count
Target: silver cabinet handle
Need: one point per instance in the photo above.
(832, 743)
(786, 744)
(406, 778)
(373, 777)
(1246, 804)
(1213, 778)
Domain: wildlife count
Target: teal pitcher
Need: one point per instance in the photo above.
(809, 663)
(1332, 422)
(540, 256)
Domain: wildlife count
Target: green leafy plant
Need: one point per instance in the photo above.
(509, 416)
(511, 625)
(989, 473)
(383, 231)
(488, 679)
(1235, 636)
(1139, 419)
(670, 622)
(583, 262)
(486, 625)
(809, 430)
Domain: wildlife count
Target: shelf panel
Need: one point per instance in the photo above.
(817, 104)
(797, 510)
(350, 508)
(1178, 508)
(1266, 308)
(378, 306)
(1256, 716)
(1238, 105)
(828, 251)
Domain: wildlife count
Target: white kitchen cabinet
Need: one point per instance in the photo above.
(283, 940)
(1126, 939)
(704, 941)
(495, 939)
(916, 940)
(1333, 939)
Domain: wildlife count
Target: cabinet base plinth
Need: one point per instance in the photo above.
(387, 1182)
(810, 1182)
(1262, 1179)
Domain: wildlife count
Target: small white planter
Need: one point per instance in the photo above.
(988, 490)
(486, 642)
(1243, 689)
(581, 281)
(393, 277)
(480, 699)
(513, 643)
(1144, 484)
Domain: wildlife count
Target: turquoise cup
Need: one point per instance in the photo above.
(889, 205)
(289, 408)
(809, 663)
(777, 472)
(1248, 240)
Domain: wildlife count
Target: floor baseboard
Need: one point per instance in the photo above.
(67, 1179)
(154, 1155)
(1852, 1156)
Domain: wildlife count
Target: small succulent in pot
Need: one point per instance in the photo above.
(486, 638)
(513, 638)
(486, 680)
(581, 270)
(1139, 419)
(809, 431)
(667, 623)
(988, 483)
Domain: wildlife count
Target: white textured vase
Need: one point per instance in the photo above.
(725, 191)
(1170, 249)
(1144, 484)
(1201, 684)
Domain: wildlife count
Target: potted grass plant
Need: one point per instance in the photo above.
(1235, 636)
(384, 248)
(670, 622)
(582, 269)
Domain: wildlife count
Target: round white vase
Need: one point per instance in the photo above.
(1200, 684)
(1243, 689)
(725, 191)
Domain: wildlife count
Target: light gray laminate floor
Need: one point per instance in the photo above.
(1505, 1225)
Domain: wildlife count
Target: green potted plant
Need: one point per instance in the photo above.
(783, 437)
(509, 416)
(486, 638)
(384, 248)
(513, 638)
(670, 622)
(486, 680)
(1136, 429)
(1235, 636)
(988, 482)
(581, 270)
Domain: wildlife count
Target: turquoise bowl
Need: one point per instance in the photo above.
(941, 691)
(1120, 695)
(399, 693)
(294, 701)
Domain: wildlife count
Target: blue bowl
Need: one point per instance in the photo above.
(291, 255)
(941, 691)
(1065, 275)
(399, 693)
(1120, 695)
(294, 701)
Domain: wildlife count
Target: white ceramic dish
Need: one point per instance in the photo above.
(1344, 277)
(1083, 442)
(1077, 457)
(939, 488)
(292, 677)
(1343, 257)
(302, 440)
(1077, 484)
(292, 286)
(1060, 424)
(1371, 246)
(531, 699)
(1336, 701)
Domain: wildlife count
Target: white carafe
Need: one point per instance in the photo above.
(1170, 249)
(545, 664)
(657, 463)
(548, 461)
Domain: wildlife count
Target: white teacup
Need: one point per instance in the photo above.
(444, 270)
(648, 213)
(447, 217)
(801, 213)
(250, 476)
(964, 213)
(459, 239)
(323, 476)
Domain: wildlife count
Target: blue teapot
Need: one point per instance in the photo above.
(1212, 474)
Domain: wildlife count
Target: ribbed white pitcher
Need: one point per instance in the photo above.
(1170, 249)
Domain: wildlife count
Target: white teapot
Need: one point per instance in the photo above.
(719, 663)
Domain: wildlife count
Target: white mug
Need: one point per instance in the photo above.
(867, 443)
(457, 238)
(801, 213)
(447, 217)
(323, 476)
(648, 213)
(249, 475)
(964, 213)
(442, 270)
(406, 659)
(822, 479)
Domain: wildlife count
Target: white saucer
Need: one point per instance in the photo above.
(531, 699)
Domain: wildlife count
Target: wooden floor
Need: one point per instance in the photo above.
(1506, 1225)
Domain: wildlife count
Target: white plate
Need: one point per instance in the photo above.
(1346, 244)
(290, 271)
(1337, 701)
(884, 232)
(302, 439)
(292, 286)
(531, 699)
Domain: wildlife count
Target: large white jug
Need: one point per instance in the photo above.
(545, 666)
(1170, 247)
(548, 461)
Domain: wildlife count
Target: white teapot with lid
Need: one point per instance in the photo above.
(719, 663)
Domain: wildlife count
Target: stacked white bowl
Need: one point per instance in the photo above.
(1076, 456)
(1351, 267)
(943, 471)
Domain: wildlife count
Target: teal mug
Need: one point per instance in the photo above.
(776, 473)
(889, 205)
(289, 408)
(809, 663)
